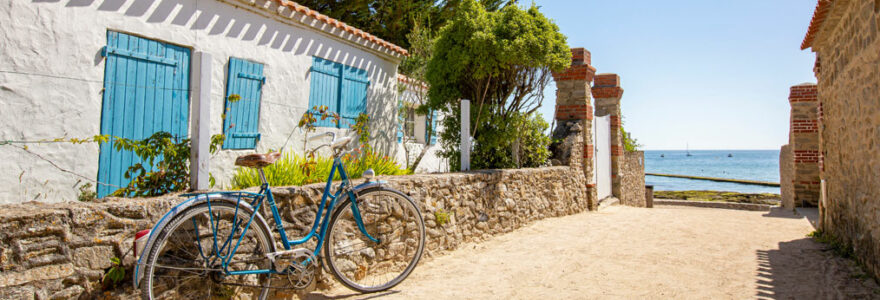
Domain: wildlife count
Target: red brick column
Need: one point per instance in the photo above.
(804, 141)
(606, 94)
(573, 105)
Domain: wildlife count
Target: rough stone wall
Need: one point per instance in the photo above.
(847, 63)
(804, 140)
(633, 179)
(573, 108)
(607, 93)
(59, 251)
(786, 174)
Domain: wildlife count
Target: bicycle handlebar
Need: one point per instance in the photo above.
(321, 136)
(334, 144)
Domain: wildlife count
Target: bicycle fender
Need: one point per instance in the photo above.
(367, 185)
(163, 222)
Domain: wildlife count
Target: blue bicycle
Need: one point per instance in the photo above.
(218, 246)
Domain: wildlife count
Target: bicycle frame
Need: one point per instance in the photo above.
(322, 218)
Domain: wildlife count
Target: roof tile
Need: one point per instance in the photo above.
(819, 15)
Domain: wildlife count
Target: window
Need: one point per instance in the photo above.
(343, 89)
(409, 126)
(241, 116)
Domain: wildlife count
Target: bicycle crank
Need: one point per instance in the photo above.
(297, 264)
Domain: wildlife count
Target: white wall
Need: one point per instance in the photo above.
(62, 40)
(431, 162)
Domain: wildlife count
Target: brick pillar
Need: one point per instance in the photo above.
(804, 141)
(573, 106)
(607, 93)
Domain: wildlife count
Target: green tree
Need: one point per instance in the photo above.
(501, 61)
(393, 20)
(390, 20)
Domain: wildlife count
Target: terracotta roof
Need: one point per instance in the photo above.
(819, 15)
(339, 25)
(410, 81)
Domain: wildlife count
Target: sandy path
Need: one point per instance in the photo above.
(666, 252)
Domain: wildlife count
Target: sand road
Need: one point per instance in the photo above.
(640, 253)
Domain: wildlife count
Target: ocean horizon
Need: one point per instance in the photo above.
(760, 165)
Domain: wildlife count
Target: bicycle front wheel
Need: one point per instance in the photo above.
(186, 260)
(365, 265)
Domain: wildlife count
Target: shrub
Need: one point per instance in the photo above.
(296, 169)
(517, 142)
(164, 165)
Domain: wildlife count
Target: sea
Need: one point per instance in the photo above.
(761, 165)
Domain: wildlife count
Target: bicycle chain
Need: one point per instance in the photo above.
(260, 286)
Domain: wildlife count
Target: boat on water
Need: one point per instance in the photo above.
(729, 154)
(687, 149)
(662, 155)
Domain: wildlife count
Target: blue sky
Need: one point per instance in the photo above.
(711, 73)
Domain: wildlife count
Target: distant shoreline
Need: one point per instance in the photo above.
(723, 196)
(653, 150)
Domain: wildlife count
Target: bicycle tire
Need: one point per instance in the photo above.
(260, 232)
(339, 268)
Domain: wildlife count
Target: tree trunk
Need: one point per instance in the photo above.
(418, 159)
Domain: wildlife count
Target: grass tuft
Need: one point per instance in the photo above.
(290, 169)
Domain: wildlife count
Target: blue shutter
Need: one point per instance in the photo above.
(431, 128)
(325, 88)
(343, 89)
(242, 118)
(401, 118)
(354, 95)
(146, 90)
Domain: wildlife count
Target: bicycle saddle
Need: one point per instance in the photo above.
(257, 160)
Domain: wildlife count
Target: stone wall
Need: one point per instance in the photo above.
(573, 110)
(847, 63)
(786, 176)
(804, 141)
(50, 251)
(633, 179)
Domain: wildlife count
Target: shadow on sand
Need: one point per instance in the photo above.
(806, 269)
(353, 295)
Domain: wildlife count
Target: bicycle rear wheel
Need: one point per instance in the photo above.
(367, 266)
(183, 263)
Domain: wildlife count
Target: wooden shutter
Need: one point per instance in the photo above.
(242, 117)
(325, 76)
(146, 90)
(343, 89)
(431, 128)
(354, 95)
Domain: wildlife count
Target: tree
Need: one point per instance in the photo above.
(390, 20)
(501, 61)
(393, 20)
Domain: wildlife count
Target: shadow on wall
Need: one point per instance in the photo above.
(216, 18)
(266, 29)
(385, 141)
(806, 269)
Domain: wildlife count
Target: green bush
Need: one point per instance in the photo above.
(503, 141)
(295, 169)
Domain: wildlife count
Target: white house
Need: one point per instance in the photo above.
(79, 68)
(413, 134)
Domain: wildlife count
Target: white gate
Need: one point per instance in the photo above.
(602, 156)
